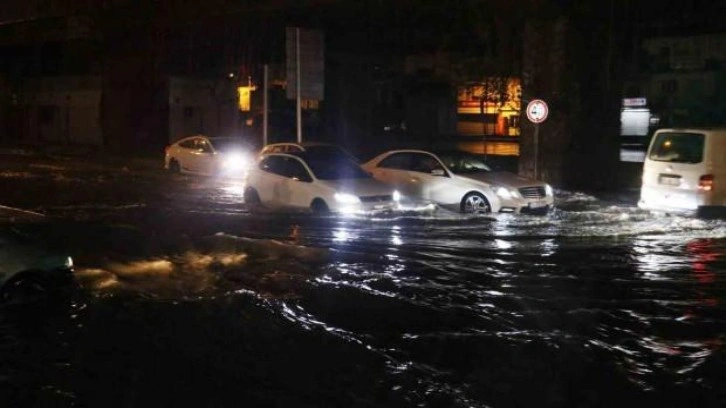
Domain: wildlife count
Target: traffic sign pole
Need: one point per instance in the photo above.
(536, 149)
(537, 112)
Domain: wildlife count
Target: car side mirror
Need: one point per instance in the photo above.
(438, 172)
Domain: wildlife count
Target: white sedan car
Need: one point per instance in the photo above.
(319, 182)
(459, 180)
(225, 156)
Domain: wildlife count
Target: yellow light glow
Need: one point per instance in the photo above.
(493, 148)
(245, 97)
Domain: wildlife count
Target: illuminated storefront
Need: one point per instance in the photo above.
(488, 112)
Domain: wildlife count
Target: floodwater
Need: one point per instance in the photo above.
(185, 297)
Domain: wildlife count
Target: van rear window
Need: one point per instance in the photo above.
(677, 147)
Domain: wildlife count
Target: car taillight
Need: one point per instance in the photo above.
(705, 183)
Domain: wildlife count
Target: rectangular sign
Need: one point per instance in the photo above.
(634, 102)
(245, 97)
(312, 63)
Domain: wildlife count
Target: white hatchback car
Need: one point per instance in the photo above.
(320, 182)
(459, 180)
(225, 156)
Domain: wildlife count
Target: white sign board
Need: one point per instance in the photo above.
(634, 102)
(537, 111)
(312, 63)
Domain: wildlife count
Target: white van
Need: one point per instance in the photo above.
(685, 171)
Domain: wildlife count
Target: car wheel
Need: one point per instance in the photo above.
(318, 206)
(475, 203)
(174, 166)
(251, 197)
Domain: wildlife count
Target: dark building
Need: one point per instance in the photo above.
(132, 75)
(139, 74)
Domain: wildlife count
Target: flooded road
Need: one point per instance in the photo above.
(186, 297)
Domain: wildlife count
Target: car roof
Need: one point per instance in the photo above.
(222, 137)
(301, 144)
(715, 129)
(304, 155)
(389, 152)
(435, 152)
(212, 138)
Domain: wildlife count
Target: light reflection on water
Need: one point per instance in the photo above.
(592, 303)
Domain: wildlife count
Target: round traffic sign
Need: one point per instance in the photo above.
(537, 111)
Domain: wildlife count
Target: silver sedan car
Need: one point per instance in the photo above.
(459, 180)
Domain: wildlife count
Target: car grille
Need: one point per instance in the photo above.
(376, 199)
(533, 192)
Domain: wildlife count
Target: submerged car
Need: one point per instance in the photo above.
(224, 156)
(459, 180)
(319, 182)
(27, 271)
(685, 171)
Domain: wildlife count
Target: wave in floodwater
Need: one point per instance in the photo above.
(595, 304)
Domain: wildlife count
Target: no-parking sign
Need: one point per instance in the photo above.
(537, 111)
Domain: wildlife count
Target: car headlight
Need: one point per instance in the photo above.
(503, 193)
(345, 198)
(396, 195)
(235, 162)
(548, 190)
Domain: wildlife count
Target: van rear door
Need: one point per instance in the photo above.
(673, 169)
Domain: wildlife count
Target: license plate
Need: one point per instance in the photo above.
(537, 204)
(669, 180)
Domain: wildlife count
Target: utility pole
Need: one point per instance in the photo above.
(297, 83)
(265, 103)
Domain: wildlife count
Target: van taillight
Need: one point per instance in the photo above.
(705, 183)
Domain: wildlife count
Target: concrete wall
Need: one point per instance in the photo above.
(202, 107)
(61, 110)
(685, 53)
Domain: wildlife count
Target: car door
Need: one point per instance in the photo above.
(284, 181)
(393, 170)
(269, 179)
(428, 178)
(192, 156)
(299, 191)
(205, 158)
(184, 154)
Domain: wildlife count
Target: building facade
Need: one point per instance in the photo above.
(683, 80)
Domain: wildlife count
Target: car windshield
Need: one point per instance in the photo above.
(334, 167)
(227, 144)
(677, 147)
(462, 162)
